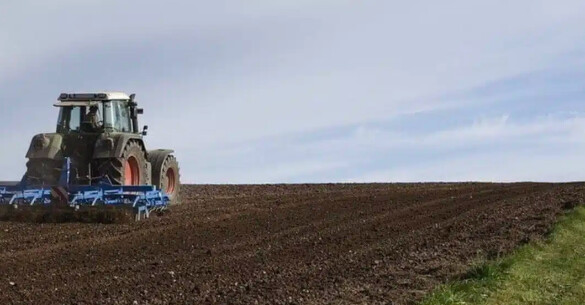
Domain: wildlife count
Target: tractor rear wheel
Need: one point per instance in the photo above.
(130, 169)
(43, 172)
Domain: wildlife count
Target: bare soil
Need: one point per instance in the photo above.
(280, 244)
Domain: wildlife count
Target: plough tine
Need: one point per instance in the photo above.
(141, 199)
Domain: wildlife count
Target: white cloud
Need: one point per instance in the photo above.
(491, 148)
(495, 166)
(286, 171)
(34, 32)
(560, 129)
(551, 150)
(376, 61)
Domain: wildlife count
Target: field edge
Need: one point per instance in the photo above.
(542, 272)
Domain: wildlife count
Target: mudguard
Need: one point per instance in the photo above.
(112, 145)
(46, 146)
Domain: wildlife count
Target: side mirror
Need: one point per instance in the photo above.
(140, 111)
(145, 130)
(132, 103)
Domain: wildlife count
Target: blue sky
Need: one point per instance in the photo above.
(262, 91)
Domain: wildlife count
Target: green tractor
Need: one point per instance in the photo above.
(99, 133)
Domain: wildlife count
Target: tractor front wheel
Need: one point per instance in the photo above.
(165, 174)
(170, 181)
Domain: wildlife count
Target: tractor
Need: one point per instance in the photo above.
(98, 135)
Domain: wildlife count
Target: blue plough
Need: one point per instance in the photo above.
(144, 199)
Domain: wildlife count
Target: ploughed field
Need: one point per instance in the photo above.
(280, 244)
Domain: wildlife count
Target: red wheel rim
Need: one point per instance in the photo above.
(131, 172)
(171, 181)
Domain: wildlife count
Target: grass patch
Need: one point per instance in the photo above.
(551, 272)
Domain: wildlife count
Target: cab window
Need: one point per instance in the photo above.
(117, 116)
(71, 118)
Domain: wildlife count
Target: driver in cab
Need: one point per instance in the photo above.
(92, 119)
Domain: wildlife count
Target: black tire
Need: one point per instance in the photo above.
(166, 175)
(114, 168)
(172, 164)
(43, 172)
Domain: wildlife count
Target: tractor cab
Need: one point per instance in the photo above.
(97, 113)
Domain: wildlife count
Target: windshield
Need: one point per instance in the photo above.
(80, 118)
(108, 116)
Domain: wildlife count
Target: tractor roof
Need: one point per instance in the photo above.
(74, 104)
(98, 96)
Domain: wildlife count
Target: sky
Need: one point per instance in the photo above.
(262, 91)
